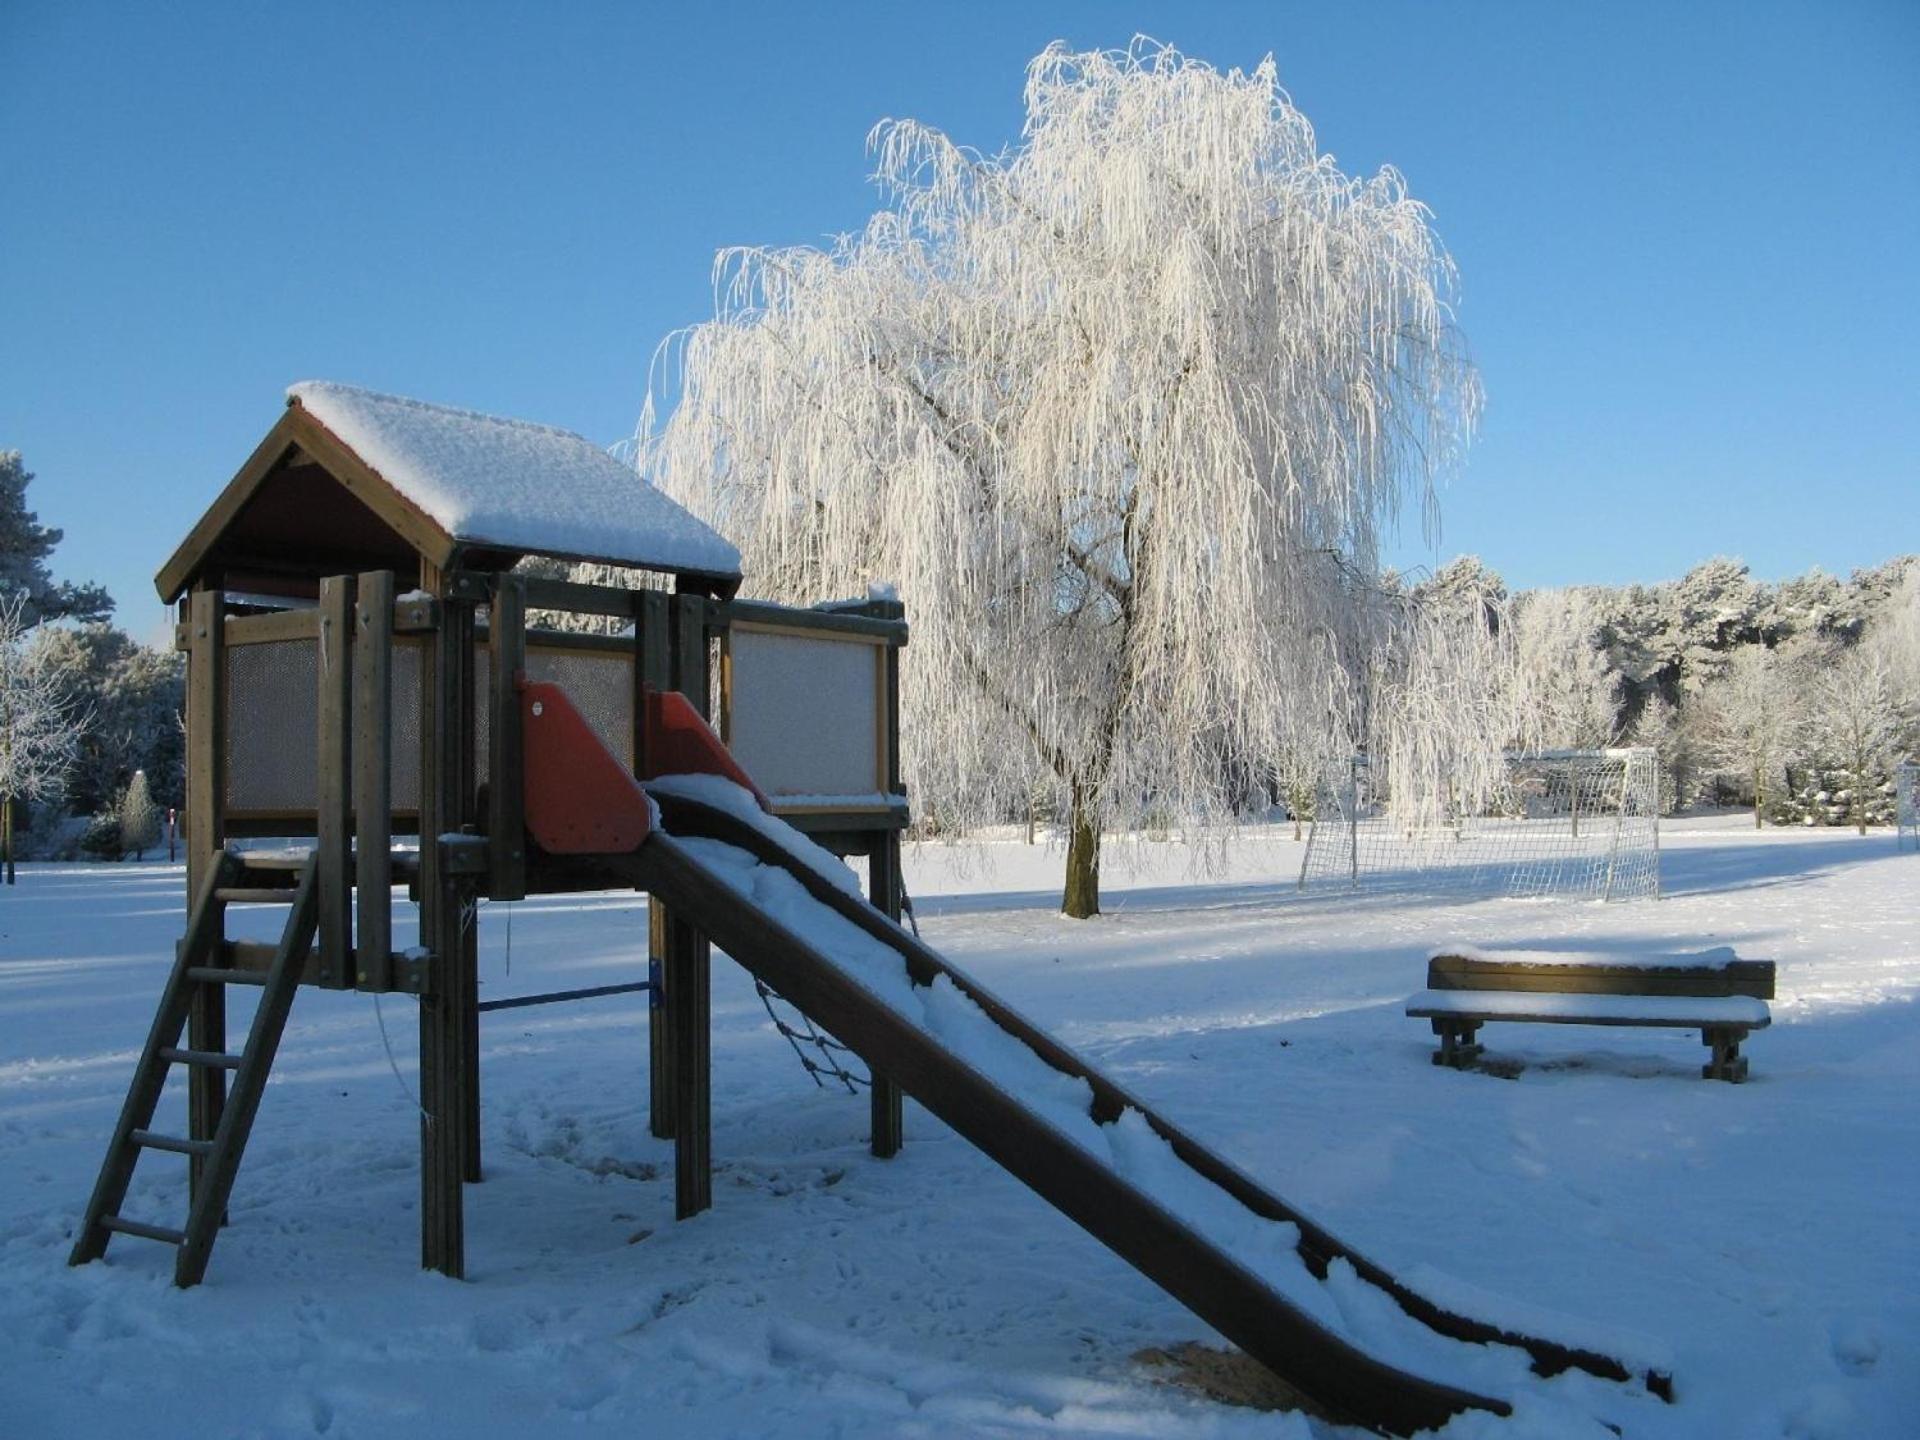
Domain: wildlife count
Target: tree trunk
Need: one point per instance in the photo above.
(1082, 898)
(1758, 797)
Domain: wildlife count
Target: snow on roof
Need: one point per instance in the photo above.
(515, 485)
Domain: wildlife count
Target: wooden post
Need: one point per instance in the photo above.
(206, 802)
(467, 786)
(334, 666)
(446, 797)
(688, 964)
(689, 960)
(373, 779)
(692, 674)
(653, 667)
(887, 1128)
(506, 804)
(887, 1124)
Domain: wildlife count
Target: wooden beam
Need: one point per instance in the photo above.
(571, 595)
(689, 992)
(273, 627)
(506, 819)
(887, 1119)
(787, 618)
(691, 673)
(333, 779)
(184, 563)
(206, 845)
(446, 1093)
(373, 778)
(653, 669)
(371, 488)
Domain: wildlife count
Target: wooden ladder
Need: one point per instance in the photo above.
(199, 962)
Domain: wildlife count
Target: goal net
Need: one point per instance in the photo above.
(1906, 804)
(1576, 823)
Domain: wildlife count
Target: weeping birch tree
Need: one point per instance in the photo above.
(1121, 411)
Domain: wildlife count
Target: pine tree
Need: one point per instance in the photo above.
(139, 817)
(25, 545)
(1857, 722)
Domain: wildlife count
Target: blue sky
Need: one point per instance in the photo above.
(1686, 233)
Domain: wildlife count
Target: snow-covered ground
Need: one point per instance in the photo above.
(1764, 1234)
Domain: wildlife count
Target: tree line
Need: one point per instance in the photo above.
(91, 743)
(1796, 698)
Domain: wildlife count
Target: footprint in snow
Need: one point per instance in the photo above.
(1856, 1346)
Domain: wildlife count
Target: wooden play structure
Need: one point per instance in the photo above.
(375, 676)
(351, 663)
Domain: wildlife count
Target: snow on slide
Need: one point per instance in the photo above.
(1345, 1304)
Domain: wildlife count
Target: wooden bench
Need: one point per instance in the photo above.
(1713, 991)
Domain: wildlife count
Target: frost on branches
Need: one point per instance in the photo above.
(1121, 411)
(39, 729)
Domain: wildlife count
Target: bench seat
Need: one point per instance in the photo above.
(1714, 992)
(1546, 1008)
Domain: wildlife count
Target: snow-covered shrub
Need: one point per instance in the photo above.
(101, 839)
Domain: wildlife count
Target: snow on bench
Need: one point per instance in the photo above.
(1712, 991)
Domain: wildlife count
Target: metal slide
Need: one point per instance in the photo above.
(1349, 1384)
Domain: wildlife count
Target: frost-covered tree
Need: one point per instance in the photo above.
(1895, 634)
(1857, 722)
(139, 817)
(1753, 713)
(25, 545)
(1569, 681)
(1715, 606)
(1122, 412)
(1665, 729)
(132, 695)
(1445, 698)
(39, 725)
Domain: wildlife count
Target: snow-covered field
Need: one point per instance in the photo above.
(1764, 1234)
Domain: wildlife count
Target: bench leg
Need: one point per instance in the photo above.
(1723, 1042)
(1457, 1048)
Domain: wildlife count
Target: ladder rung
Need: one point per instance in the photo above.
(163, 1233)
(152, 1140)
(279, 861)
(254, 895)
(220, 975)
(211, 1059)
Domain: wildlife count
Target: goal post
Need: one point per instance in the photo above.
(1574, 823)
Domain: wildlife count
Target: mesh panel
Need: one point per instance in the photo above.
(599, 683)
(404, 764)
(272, 729)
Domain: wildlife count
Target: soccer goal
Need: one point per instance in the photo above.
(1582, 824)
(1906, 804)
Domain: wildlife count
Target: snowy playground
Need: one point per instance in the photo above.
(1758, 1240)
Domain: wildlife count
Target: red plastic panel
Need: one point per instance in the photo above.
(580, 800)
(680, 742)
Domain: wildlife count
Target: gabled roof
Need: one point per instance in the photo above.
(352, 477)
